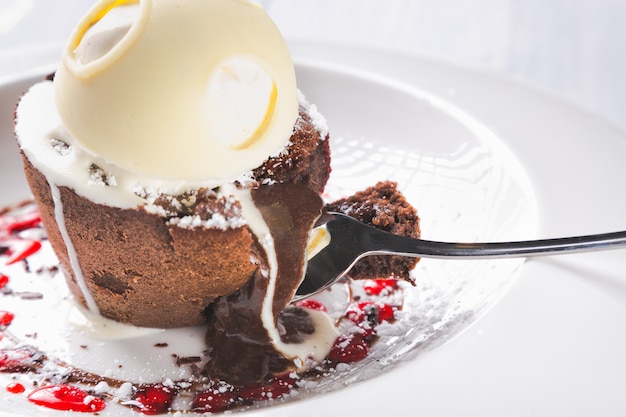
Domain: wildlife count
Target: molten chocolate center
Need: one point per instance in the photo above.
(236, 332)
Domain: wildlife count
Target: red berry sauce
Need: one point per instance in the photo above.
(222, 396)
(153, 399)
(215, 401)
(15, 388)
(6, 318)
(18, 248)
(312, 305)
(380, 286)
(66, 398)
(4, 281)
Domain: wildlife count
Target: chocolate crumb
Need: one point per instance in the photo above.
(195, 370)
(161, 345)
(294, 325)
(27, 295)
(99, 176)
(186, 360)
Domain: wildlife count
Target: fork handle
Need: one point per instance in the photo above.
(398, 245)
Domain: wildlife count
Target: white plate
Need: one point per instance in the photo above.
(454, 137)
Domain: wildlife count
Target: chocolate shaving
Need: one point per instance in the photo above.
(186, 360)
(28, 295)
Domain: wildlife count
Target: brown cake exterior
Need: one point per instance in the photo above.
(142, 271)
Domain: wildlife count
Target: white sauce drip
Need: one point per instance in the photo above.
(101, 328)
(71, 252)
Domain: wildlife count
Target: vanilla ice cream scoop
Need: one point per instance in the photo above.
(178, 89)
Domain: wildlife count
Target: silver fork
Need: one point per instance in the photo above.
(351, 240)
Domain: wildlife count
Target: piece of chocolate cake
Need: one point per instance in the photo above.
(385, 208)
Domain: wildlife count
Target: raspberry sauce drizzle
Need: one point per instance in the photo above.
(11, 243)
(66, 398)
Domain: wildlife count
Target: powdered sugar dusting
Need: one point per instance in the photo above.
(317, 119)
(208, 209)
(217, 221)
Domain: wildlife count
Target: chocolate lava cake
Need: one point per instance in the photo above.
(178, 184)
(146, 269)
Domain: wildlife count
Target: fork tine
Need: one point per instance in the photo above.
(330, 263)
(320, 275)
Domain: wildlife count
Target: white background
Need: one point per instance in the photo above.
(575, 48)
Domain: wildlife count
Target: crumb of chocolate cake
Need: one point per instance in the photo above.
(99, 177)
(49, 269)
(29, 295)
(187, 360)
(61, 147)
(385, 208)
